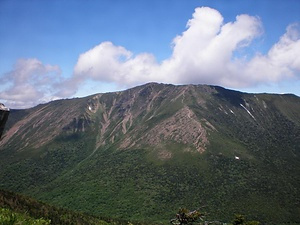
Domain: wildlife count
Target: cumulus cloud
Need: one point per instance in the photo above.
(109, 63)
(29, 83)
(203, 53)
(281, 62)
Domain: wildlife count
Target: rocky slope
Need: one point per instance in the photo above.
(144, 152)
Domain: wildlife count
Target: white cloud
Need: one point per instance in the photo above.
(109, 63)
(204, 53)
(29, 83)
(281, 62)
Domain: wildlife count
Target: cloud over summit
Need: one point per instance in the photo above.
(203, 53)
(209, 51)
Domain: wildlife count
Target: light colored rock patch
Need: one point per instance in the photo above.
(183, 127)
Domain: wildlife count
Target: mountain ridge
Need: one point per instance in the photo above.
(159, 147)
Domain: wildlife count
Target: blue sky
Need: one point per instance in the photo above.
(55, 49)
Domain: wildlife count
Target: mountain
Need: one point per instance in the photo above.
(142, 153)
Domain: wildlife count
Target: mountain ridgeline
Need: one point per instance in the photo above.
(142, 153)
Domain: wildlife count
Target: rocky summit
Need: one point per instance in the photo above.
(142, 153)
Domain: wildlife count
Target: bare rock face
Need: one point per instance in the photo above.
(4, 112)
(149, 115)
(45, 122)
(183, 127)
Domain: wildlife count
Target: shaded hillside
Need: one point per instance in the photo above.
(30, 210)
(147, 151)
(35, 209)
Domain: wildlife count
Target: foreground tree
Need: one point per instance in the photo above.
(184, 216)
(240, 220)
